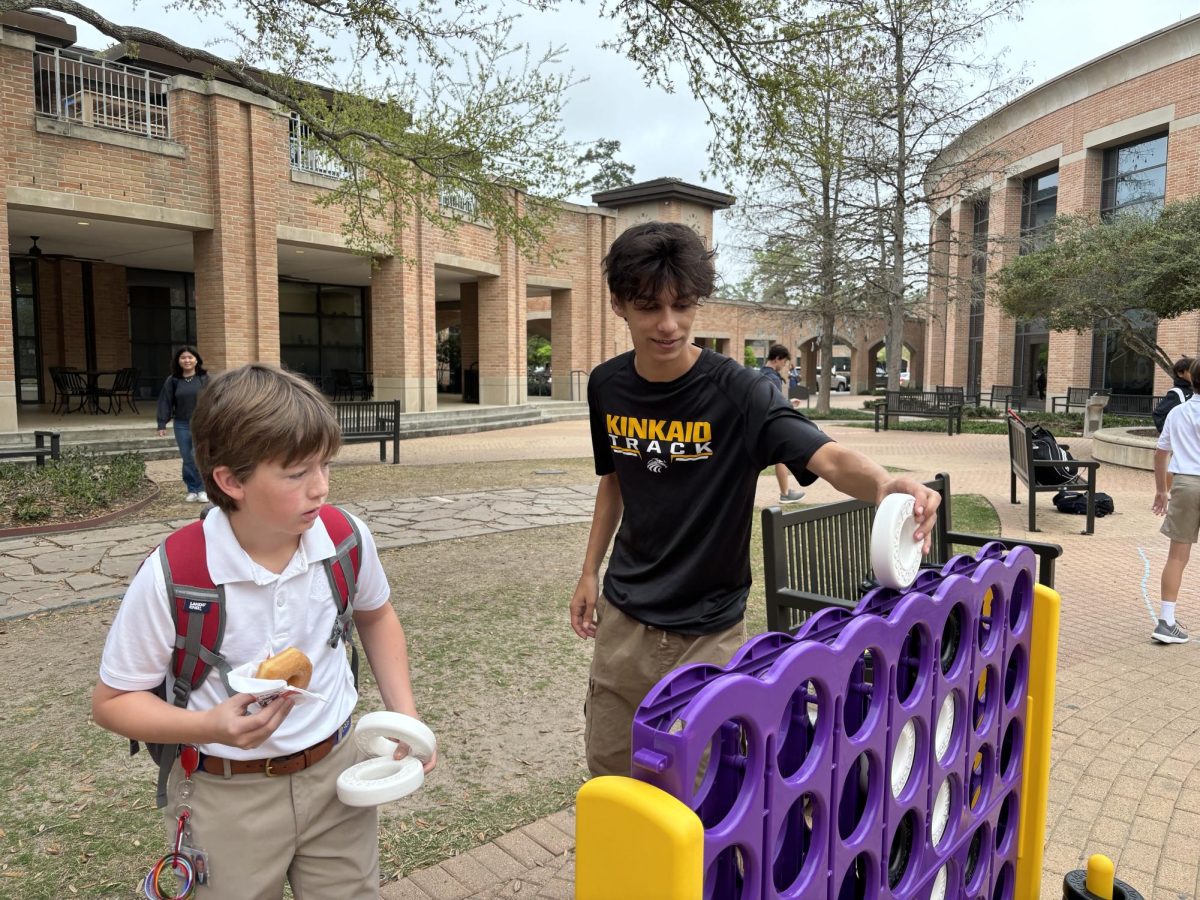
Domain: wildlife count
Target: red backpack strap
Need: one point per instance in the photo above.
(198, 608)
(342, 571)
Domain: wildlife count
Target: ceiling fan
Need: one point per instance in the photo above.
(36, 252)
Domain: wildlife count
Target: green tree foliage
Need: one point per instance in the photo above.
(537, 351)
(1093, 275)
(749, 357)
(602, 168)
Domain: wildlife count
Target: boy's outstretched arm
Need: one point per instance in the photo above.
(606, 516)
(864, 479)
(383, 640)
(143, 716)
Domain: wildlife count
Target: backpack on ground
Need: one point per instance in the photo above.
(198, 610)
(1075, 503)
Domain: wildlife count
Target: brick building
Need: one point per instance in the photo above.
(148, 206)
(1114, 135)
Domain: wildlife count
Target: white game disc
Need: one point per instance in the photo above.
(895, 556)
(945, 728)
(939, 817)
(903, 758)
(939, 885)
(374, 731)
(380, 780)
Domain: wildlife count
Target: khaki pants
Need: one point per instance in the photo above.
(260, 831)
(628, 660)
(1182, 524)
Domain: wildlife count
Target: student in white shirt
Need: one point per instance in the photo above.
(1177, 471)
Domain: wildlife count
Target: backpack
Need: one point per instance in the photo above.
(198, 609)
(1046, 447)
(1161, 410)
(1075, 503)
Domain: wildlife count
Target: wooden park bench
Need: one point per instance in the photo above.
(820, 557)
(1007, 396)
(1075, 396)
(39, 451)
(367, 421)
(1023, 467)
(1133, 406)
(922, 404)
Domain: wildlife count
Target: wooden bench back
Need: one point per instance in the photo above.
(357, 417)
(1020, 449)
(919, 401)
(1133, 405)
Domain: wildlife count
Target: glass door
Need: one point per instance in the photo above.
(27, 346)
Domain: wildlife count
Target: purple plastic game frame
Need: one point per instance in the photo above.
(787, 811)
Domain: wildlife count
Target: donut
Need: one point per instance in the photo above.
(291, 665)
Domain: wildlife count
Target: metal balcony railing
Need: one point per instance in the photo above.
(88, 90)
(307, 157)
(458, 202)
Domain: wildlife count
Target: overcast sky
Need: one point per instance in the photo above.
(663, 134)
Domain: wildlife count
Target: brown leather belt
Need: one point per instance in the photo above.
(276, 765)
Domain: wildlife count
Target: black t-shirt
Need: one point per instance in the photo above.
(687, 454)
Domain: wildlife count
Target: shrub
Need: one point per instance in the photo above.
(75, 486)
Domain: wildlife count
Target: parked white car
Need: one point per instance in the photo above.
(841, 380)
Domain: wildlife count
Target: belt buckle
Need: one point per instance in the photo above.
(268, 771)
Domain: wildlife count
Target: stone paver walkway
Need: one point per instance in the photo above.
(53, 571)
(1125, 776)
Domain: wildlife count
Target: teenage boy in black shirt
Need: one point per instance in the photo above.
(679, 435)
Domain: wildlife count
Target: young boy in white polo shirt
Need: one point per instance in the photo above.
(263, 442)
(1177, 471)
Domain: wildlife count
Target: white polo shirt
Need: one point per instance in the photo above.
(1181, 435)
(265, 613)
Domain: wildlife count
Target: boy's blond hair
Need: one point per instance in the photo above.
(259, 413)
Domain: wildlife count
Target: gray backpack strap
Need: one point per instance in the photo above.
(196, 605)
(343, 626)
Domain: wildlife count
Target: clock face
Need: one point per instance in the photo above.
(939, 816)
(945, 728)
(903, 757)
(939, 885)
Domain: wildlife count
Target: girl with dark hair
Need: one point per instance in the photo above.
(176, 401)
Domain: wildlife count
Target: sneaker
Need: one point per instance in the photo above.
(202, 497)
(1170, 634)
(791, 496)
(190, 498)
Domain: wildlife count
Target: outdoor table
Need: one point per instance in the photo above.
(93, 386)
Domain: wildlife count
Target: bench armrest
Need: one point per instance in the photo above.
(1046, 553)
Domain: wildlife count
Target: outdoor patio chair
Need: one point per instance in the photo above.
(123, 387)
(343, 385)
(68, 383)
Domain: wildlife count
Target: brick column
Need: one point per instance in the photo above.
(468, 332)
(237, 271)
(959, 296)
(404, 324)
(568, 341)
(935, 321)
(999, 328)
(502, 314)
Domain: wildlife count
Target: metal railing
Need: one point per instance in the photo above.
(458, 202)
(88, 90)
(306, 156)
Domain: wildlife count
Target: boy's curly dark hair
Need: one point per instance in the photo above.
(647, 259)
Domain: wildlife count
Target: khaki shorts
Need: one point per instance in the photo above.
(1182, 524)
(629, 659)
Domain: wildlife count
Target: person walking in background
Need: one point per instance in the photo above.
(1177, 496)
(1040, 384)
(176, 401)
(1180, 392)
(779, 360)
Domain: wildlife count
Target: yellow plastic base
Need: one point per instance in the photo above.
(636, 842)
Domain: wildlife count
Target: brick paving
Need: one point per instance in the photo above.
(1125, 778)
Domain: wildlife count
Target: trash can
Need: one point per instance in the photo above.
(470, 388)
(1093, 414)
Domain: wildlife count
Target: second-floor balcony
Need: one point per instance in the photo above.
(307, 156)
(89, 90)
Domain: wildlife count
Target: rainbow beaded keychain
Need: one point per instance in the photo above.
(188, 864)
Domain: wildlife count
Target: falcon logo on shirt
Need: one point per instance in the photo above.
(656, 465)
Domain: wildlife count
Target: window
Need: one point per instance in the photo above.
(979, 254)
(322, 327)
(1116, 367)
(1135, 178)
(26, 342)
(1031, 354)
(162, 317)
(1039, 203)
